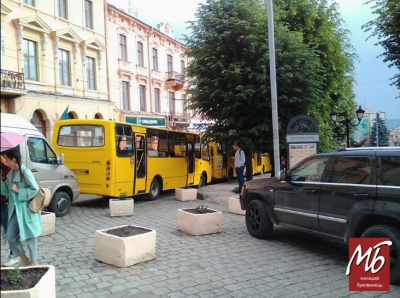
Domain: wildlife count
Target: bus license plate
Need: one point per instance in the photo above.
(80, 171)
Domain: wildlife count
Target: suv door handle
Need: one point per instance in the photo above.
(34, 171)
(362, 195)
(310, 191)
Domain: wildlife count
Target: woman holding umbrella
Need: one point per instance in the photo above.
(23, 224)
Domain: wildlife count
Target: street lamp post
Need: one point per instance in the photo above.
(360, 114)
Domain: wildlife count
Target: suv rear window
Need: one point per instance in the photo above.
(390, 167)
(351, 170)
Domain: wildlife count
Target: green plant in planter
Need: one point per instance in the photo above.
(186, 187)
(122, 195)
(201, 209)
(15, 275)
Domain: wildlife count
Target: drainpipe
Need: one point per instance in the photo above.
(111, 109)
(149, 67)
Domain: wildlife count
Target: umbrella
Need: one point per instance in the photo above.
(10, 140)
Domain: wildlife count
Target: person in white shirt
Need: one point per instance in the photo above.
(240, 160)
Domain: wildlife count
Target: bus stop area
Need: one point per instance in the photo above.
(229, 264)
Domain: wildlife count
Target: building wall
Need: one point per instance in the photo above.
(129, 70)
(50, 33)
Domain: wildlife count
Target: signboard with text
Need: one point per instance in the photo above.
(146, 121)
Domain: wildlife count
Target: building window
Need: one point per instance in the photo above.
(38, 121)
(140, 53)
(155, 59)
(142, 95)
(30, 2)
(90, 73)
(62, 8)
(171, 97)
(30, 62)
(125, 96)
(170, 64)
(88, 14)
(185, 104)
(182, 66)
(63, 67)
(122, 47)
(157, 100)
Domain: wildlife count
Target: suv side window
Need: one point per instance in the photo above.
(309, 171)
(40, 151)
(351, 170)
(390, 167)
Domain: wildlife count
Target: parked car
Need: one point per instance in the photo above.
(345, 194)
(38, 156)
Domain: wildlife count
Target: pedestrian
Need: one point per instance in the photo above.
(240, 160)
(4, 213)
(23, 224)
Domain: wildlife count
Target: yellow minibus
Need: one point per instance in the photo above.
(110, 157)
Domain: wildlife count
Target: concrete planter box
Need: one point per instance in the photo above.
(121, 207)
(48, 223)
(125, 251)
(45, 288)
(186, 194)
(234, 206)
(199, 224)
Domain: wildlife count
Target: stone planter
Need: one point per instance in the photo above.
(186, 194)
(234, 206)
(121, 207)
(48, 223)
(125, 251)
(45, 288)
(199, 223)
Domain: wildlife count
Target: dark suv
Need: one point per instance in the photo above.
(345, 194)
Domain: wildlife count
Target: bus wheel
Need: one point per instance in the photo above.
(230, 174)
(202, 181)
(155, 189)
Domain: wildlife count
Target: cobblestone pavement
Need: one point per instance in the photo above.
(229, 264)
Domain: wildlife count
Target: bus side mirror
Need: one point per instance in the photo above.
(61, 159)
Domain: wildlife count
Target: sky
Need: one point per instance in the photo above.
(372, 75)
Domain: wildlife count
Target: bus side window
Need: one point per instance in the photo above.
(124, 141)
(162, 144)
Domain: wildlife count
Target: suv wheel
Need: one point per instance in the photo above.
(394, 235)
(258, 222)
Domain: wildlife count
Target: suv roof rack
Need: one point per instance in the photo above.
(370, 148)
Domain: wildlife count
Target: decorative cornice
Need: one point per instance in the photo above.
(67, 34)
(35, 23)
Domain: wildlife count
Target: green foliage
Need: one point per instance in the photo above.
(383, 134)
(386, 28)
(15, 275)
(229, 79)
(122, 195)
(201, 209)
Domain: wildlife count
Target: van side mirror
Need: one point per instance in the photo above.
(283, 176)
(61, 159)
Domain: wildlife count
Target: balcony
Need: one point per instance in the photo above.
(179, 120)
(175, 80)
(12, 84)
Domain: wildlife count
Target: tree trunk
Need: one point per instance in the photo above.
(249, 166)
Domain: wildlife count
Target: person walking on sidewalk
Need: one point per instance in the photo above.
(240, 160)
(23, 224)
(4, 212)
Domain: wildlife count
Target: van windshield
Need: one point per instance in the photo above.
(81, 136)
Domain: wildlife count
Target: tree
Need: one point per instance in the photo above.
(228, 75)
(383, 134)
(386, 28)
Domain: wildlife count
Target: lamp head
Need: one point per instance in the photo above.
(333, 115)
(360, 113)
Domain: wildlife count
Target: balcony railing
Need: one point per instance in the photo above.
(178, 117)
(173, 75)
(11, 79)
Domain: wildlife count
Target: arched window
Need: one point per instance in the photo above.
(38, 121)
(72, 115)
(98, 116)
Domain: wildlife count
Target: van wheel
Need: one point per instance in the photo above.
(155, 189)
(258, 222)
(394, 235)
(230, 174)
(60, 204)
(202, 181)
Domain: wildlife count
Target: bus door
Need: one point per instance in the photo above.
(190, 161)
(140, 163)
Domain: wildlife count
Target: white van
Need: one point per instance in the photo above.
(42, 160)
